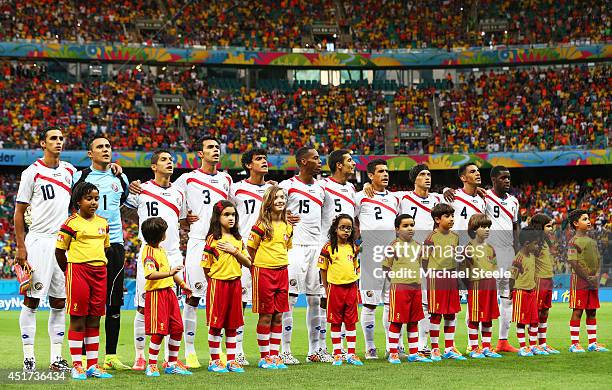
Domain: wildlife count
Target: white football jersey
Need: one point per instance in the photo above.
(503, 214)
(305, 200)
(377, 213)
(465, 206)
(202, 191)
(339, 199)
(248, 198)
(47, 191)
(420, 210)
(164, 202)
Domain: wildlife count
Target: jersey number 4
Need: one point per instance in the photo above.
(464, 213)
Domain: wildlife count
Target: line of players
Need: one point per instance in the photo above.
(313, 203)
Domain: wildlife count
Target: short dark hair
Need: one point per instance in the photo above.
(91, 140)
(476, 221)
(247, 157)
(153, 230)
(414, 172)
(400, 218)
(441, 209)
(42, 135)
(540, 220)
(79, 191)
(463, 168)
(208, 138)
(157, 153)
(371, 167)
(301, 153)
(574, 215)
(497, 170)
(336, 157)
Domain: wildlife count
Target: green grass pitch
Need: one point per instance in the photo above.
(589, 370)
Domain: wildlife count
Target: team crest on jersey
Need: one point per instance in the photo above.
(115, 187)
(60, 238)
(101, 231)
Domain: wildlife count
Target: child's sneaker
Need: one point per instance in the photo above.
(234, 366)
(452, 353)
(216, 366)
(550, 350)
(266, 363)
(371, 354)
(394, 358)
(576, 348)
(278, 362)
(401, 351)
(537, 350)
(152, 370)
(595, 347)
(241, 359)
(476, 354)
(78, 372)
(490, 354)
(337, 360)
(97, 372)
(176, 369)
(435, 356)
(354, 360)
(525, 352)
(418, 358)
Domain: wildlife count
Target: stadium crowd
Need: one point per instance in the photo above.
(387, 24)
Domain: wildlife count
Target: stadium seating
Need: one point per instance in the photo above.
(273, 24)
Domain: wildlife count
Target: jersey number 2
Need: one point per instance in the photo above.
(377, 212)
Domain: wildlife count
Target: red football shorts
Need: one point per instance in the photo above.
(270, 290)
(544, 291)
(85, 289)
(342, 301)
(482, 300)
(224, 304)
(162, 312)
(443, 295)
(525, 307)
(405, 303)
(582, 295)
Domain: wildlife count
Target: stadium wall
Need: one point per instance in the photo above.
(133, 159)
(343, 59)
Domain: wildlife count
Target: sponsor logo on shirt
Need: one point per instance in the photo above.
(115, 187)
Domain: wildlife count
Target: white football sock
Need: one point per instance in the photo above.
(505, 311)
(288, 324)
(322, 328)
(239, 338)
(56, 328)
(385, 318)
(368, 322)
(27, 326)
(139, 335)
(312, 322)
(190, 325)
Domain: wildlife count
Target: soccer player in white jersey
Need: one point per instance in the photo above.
(158, 198)
(203, 188)
(503, 209)
(305, 198)
(247, 195)
(339, 199)
(45, 187)
(376, 218)
(418, 204)
(466, 201)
